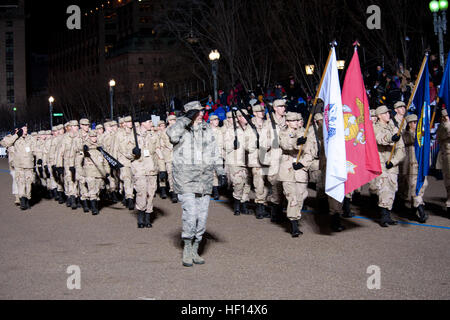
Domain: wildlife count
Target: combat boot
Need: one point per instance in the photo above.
(78, 202)
(336, 225)
(448, 212)
(69, 202)
(216, 193)
(73, 201)
(130, 203)
(23, 203)
(147, 223)
(141, 219)
(195, 257)
(295, 231)
(346, 208)
(260, 211)
(55, 194)
(273, 213)
(125, 202)
(389, 220)
(384, 217)
(423, 216)
(61, 197)
(244, 208)
(85, 206)
(163, 193)
(237, 207)
(94, 207)
(187, 253)
(114, 198)
(174, 197)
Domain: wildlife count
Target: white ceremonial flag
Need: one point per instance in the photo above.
(333, 131)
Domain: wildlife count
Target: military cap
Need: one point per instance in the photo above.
(381, 110)
(372, 113)
(171, 117)
(54, 128)
(41, 133)
(121, 120)
(242, 113)
(137, 124)
(411, 117)
(399, 104)
(107, 124)
(48, 132)
(33, 134)
(59, 127)
(444, 113)
(100, 126)
(113, 123)
(73, 123)
(279, 102)
(67, 124)
(92, 133)
(85, 122)
(293, 116)
(194, 105)
(161, 123)
(213, 117)
(127, 119)
(258, 108)
(229, 114)
(318, 117)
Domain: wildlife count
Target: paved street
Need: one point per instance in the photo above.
(245, 258)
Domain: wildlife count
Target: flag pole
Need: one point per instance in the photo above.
(409, 103)
(433, 117)
(333, 44)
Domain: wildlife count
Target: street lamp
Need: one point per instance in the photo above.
(309, 68)
(341, 64)
(14, 114)
(440, 24)
(112, 84)
(214, 57)
(51, 100)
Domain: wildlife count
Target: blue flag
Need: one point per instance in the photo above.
(422, 144)
(444, 91)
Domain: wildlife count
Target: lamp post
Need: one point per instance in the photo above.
(14, 115)
(112, 84)
(51, 100)
(440, 24)
(214, 57)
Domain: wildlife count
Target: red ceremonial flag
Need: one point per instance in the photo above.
(363, 162)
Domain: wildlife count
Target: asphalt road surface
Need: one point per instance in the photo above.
(245, 258)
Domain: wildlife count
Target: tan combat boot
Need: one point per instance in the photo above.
(196, 258)
(187, 253)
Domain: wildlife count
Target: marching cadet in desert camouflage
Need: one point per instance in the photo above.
(12, 172)
(50, 160)
(387, 183)
(124, 145)
(95, 169)
(214, 122)
(23, 163)
(69, 150)
(235, 147)
(400, 113)
(107, 142)
(295, 176)
(38, 152)
(166, 148)
(82, 187)
(46, 164)
(412, 169)
(443, 135)
(149, 161)
(270, 141)
(259, 171)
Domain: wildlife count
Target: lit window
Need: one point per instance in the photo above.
(141, 86)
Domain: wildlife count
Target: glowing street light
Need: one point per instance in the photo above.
(214, 57)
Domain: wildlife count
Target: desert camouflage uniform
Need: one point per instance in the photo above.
(387, 182)
(295, 183)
